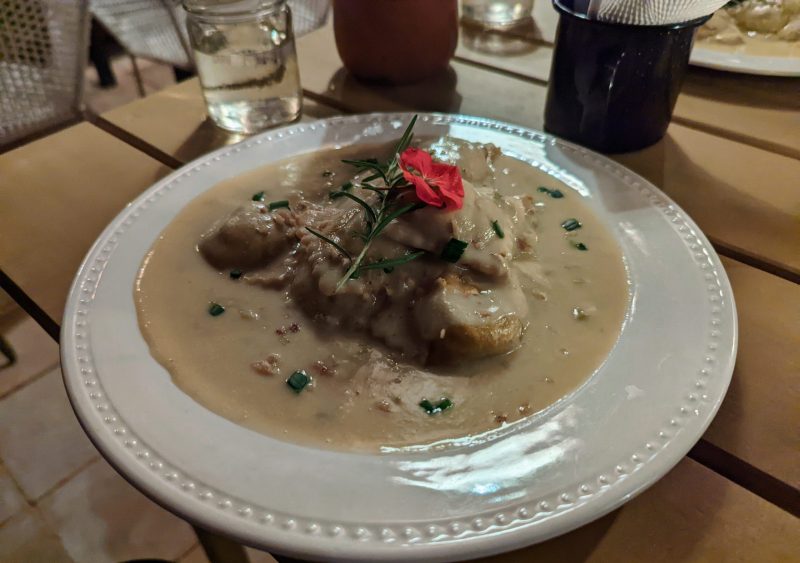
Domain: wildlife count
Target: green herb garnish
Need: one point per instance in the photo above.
(258, 196)
(330, 241)
(235, 274)
(215, 309)
(432, 409)
(555, 194)
(298, 380)
(498, 229)
(453, 250)
(579, 245)
(273, 205)
(390, 263)
(571, 224)
(388, 208)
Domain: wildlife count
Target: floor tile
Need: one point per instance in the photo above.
(41, 442)
(27, 539)
(36, 352)
(11, 500)
(100, 517)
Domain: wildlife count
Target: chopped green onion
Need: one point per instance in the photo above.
(258, 196)
(346, 187)
(571, 224)
(555, 194)
(498, 229)
(278, 204)
(427, 406)
(453, 250)
(236, 274)
(215, 309)
(298, 380)
(432, 409)
(579, 245)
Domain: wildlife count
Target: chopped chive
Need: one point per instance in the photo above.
(298, 380)
(236, 274)
(427, 406)
(432, 409)
(215, 309)
(258, 196)
(273, 205)
(453, 250)
(579, 245)
(327, 173)
(347, 186)
(555, 194)
(571, 224)
(498, 229)
(388, 270)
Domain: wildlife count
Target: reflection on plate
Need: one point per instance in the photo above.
(637, 416)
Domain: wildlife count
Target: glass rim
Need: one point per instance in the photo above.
(663, 27)
(234, 9)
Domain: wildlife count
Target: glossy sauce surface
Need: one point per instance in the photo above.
(360, 398)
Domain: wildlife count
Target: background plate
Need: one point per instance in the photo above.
(743, 63)
(595, 449)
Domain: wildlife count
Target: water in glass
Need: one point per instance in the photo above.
(497, 13)
(247, 66)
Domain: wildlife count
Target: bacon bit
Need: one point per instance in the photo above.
(294, 328)
(268, 366)
(523, 244)
(321, 368)
(384, 406)
(501, 418)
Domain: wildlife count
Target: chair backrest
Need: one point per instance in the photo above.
(43, 54)
(151, 29)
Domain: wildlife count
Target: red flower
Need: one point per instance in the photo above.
(436, 184)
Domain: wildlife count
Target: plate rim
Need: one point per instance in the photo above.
(744, 63)
(293, 544)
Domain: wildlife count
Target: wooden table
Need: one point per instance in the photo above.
(731, 158)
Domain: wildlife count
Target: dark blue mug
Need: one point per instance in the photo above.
(613, 86)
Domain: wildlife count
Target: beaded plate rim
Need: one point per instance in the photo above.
(338, 540)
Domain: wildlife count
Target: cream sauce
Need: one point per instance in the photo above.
(211, 358)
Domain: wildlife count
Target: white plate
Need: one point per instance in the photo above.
(744, 63)
(594, 450)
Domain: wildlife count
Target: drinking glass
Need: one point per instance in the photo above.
(245, 55)
(496, 13)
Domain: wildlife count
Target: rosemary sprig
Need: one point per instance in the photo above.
(381, 215)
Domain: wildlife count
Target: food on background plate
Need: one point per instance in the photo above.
(757, 27)
(383, 296)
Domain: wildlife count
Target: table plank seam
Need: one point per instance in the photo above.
(747, 476)
(502, 71)
(756, 262)
(135, 142)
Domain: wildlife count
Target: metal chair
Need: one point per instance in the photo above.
(43, 52)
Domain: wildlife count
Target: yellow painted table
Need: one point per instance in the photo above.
(731, 158)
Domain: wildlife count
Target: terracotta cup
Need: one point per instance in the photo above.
(395, 41)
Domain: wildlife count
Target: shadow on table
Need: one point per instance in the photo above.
(204, 139)
(768, 92)
(438, 93)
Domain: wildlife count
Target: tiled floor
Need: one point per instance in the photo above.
(59, 500)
